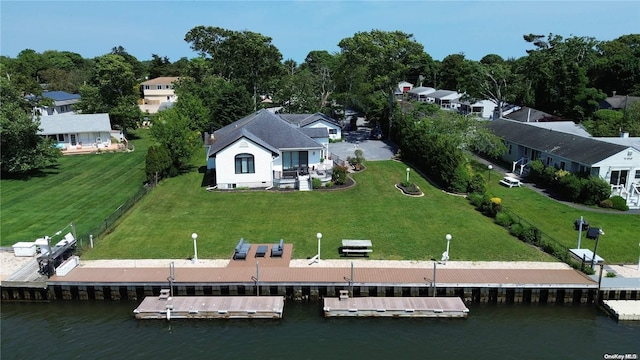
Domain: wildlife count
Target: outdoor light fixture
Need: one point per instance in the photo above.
(194, 236)
(408, 175)
(445, 255)
(490, 167)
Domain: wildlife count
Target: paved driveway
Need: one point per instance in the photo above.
(372, 149)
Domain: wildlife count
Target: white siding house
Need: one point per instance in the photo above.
(156, 92)
(617, 164)
(263, 150)
(77, 131)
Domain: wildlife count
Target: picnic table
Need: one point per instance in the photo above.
(510, 182)
(360, 247)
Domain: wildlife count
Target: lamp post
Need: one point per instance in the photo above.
(435, 263)
(194, 236)
(408, 170)
(490, 167)
(319, 236)
(445, 255)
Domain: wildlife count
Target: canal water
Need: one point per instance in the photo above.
(108, 330)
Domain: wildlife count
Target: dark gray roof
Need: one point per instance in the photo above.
(303, 120)
(266, 129)
(618, 101)
(319, 132)
(527, 114)
(576, 148)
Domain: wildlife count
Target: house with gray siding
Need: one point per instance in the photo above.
(617, 163)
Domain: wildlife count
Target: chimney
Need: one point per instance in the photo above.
(614, 93)
(624, 134)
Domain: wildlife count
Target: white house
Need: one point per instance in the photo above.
(420, 93)
(62, 103)
(77, 131)
(317, 120)
(617, 163)
(480, 108)
(403, 88)
(444, 98)
(157, 93)
(263, 150)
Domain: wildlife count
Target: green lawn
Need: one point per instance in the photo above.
(622, 230)
(84, 189)
(400, 227)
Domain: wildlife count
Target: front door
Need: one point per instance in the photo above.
(619, 177)
(73, 140)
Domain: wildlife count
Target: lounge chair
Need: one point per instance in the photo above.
(277, 249)
(241, 250)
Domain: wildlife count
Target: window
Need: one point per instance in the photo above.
(159, 87)
(509, 149)
(295, 160)
(548, 160)
(562, 165)
(526, 151)
(61, 137)
(637, 177)
(333, 131)
(147, 87)
(244, 164)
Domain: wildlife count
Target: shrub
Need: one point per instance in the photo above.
(516, 230)
(503, 219)
(329, 184)
(339, 176)
(595, 190)
(569, 186)
(530, 235)
(619, 203)
(459, 182)
(607, 204)
(316, 183)
(536, 168)
(477, 185)
(475, 199)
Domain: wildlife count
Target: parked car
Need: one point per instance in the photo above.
(376, 133)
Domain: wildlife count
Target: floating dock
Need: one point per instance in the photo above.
(623, 309)
(436, 307)
(210, 307)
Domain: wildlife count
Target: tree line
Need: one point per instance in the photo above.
(237, 72)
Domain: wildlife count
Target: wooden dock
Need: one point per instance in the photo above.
(438, 307)
(623, 309)
(210, 307)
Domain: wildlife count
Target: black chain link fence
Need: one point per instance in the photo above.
(85, 239)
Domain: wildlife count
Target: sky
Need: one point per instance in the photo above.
(475, 28)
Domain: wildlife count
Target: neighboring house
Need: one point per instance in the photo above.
(445, 98)
(263, 150)
(157, 93)
(77, 131)
(527, 114)
(403, 88)
(317, 120)
(420, 93)
(62, 103)
(618, 102)
(616, 163)
(480, 108)
(568, 127)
